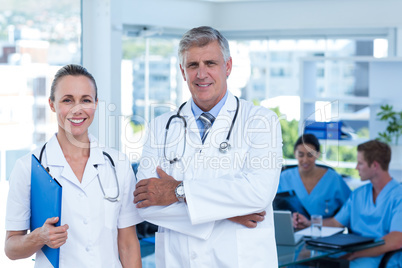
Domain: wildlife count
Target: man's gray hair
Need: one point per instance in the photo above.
(202, 36)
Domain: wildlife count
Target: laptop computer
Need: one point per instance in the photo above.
(288, 200)
(284, 232)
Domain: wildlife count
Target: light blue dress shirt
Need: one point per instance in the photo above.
(325, 199)
(214, 111)
(364, 217)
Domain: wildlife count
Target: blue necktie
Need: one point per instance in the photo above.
(207, 119)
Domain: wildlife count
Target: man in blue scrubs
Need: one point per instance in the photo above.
(372, 210)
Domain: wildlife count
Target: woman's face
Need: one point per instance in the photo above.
(306, 156)
(74, 104)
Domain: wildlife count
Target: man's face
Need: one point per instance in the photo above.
(365, 172)
(205, 72)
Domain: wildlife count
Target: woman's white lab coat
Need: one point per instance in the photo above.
(217, 186)
(93, 221)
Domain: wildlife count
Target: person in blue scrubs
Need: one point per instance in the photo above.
(321, 190)
(374, 209)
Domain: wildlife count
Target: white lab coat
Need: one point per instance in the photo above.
(93, 221)
(217, 186)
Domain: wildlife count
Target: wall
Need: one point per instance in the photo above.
(274, 18)
(101, 49)
(310, 14)
(265, 15)
(179, 14)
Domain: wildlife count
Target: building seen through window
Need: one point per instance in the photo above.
(36, 39)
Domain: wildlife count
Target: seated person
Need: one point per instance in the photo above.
(321, 190)
(372, 210)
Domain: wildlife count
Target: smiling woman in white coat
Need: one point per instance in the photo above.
(95, 230)
(207, 183)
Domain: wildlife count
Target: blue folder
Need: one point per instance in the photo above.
(45, 203)
(340, 241)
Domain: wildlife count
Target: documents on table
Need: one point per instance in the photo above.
(325, 231)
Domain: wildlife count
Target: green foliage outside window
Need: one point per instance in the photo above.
(394, 128)
(349, 172)
(290, 133)
(136, 127)
(341, 153)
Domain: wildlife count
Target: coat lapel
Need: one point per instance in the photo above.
(91, 172)
(56, 161)
(221, 126)
(192, 127)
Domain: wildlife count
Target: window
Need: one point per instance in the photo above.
(36, 39)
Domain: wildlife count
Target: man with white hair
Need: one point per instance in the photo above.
(208, 182)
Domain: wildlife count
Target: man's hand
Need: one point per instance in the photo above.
(250, 220)
(300, 221)
(156, 192)
(52, 236)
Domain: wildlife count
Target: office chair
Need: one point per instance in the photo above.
(387, 256)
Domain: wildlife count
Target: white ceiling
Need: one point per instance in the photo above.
(227, 1)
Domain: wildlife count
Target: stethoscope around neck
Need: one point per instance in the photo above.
(224, 147)
(105, 196)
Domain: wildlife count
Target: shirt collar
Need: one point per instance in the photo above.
(390, 185)
(55, 156)
(214, 111)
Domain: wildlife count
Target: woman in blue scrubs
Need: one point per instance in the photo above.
(321, 190)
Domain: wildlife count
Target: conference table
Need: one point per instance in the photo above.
(288, 256)
(303, 253)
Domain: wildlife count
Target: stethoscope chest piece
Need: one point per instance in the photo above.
(224, 147)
